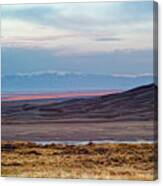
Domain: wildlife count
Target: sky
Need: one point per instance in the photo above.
(95, 38)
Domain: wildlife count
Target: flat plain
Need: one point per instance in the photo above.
(80, 131)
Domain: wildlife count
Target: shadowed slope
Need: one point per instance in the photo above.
(133, 105)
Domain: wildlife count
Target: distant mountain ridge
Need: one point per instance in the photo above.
(65, 81)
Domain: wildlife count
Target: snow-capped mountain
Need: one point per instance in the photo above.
(67, 81)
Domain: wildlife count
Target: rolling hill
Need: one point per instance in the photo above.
(138, 104)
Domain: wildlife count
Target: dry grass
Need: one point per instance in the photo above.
(98, 161)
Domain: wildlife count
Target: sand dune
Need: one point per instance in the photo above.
(133, 105)
(123, 116)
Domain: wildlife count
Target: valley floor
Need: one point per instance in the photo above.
(79, 130)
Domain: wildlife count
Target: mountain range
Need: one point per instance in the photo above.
(71, 82)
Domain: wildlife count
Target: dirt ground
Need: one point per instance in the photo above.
(80, 131)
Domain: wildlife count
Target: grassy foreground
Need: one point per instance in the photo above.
(98, 161)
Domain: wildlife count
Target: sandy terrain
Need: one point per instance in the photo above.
(127, 116)
(80, 131)
(122, 116)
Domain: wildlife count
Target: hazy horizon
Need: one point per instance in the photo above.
(86, 39)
